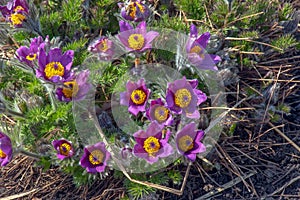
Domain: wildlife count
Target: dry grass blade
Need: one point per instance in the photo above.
(250, 40)
(285, 185)
(18, 195)
(226, 186)
(284, 136)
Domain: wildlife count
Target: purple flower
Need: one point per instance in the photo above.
(103, 47)
(135, 97)
(5, 149)
(95, 158)
(15, 12)
(183, 98)
(64, 148)
(134, 10)
(29, 55)
(55, 66)
(137, 39)
(75, 89)
(188, 141)
(160, 112)
(196, 51)
(151, 145)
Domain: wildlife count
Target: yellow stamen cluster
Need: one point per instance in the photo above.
(96, 157)
(183, 98)
(161, 113)
(136, 41)
(2, 154)
(71, 89)
(131, 9)
(64, 149)
(103, 46)
(151, 145)
(198, 50)
(17, 18)
(31, 57)
(18, 8)
(54, 69)
(185, 143)
(138, 97)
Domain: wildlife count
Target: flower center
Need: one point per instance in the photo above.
(151, 145)
(96, 157)
(197, 50)
(2, 154)
(54, 69)
(138, 96)
(71, 89)
(64, 149)
(17, 19)
(31, 57)
(136, 41)
(18, 8)
(183, 97)
(161, 113)
(131, 10)
(185, 143)
(102, 46)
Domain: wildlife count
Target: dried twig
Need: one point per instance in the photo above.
(285, 137)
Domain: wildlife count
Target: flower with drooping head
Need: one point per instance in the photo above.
(5, 149)
(136, 39)
(135, 97)
(75, 89)
(103, 47)
(160, 112)
(151, 145)
(55, 66)
(196, 50)
(64, 148)
(29, 55)
(15, 12)
(95, 158)
(188, 141)
(182, 98)
(134, 10)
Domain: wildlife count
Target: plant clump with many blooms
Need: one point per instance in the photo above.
(53, 66)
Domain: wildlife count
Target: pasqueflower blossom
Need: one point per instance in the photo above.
(75, 89)
(29, 55)
(55, 66)
(134, 10)
(188, 141)
(95, 158)
(196, 51)
(136, 39)
(103, 47)
(15, 12)
(183, 97)
(150, 143)
(64, 148)
(135, 97)
(160, 112)
(5, 149)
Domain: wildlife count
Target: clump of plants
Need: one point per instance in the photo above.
(71, 60)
